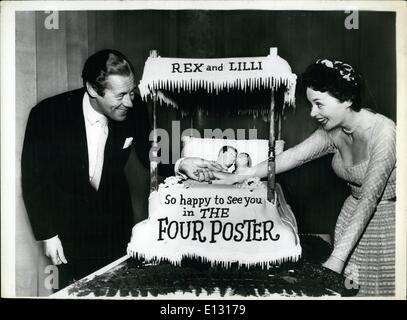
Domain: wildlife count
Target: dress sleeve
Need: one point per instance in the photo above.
(381, 164)
(315, 146)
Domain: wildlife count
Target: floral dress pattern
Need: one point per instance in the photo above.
(365, 229)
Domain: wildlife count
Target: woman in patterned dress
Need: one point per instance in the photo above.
(364, 147)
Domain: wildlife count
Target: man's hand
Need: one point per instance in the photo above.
(53, 250)
(200, 169)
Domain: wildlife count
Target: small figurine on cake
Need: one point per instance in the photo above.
(227, 156)
(231, 161)
(243, 161)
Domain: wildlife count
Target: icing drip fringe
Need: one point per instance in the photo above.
(162, 76)
(264, 264)
(215, 86)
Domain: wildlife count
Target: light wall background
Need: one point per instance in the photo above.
(49, 62)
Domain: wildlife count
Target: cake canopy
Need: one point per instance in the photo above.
(256, 85)
(173, 80)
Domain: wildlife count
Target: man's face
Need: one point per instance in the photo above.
(118, 97)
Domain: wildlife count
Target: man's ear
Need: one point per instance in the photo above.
(91, 90)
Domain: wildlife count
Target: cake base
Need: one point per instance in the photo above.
(136, 279)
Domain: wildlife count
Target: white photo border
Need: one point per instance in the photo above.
(8, 96)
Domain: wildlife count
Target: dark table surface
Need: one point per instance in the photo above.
(134, 278)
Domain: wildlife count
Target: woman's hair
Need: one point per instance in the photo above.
(103, 64)
(339, 79)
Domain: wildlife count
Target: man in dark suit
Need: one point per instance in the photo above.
(75, 148)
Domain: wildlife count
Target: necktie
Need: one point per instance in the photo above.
(103, 133)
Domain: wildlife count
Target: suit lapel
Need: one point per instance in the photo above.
(79, 133)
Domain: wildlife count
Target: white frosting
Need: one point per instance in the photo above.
(258, 233)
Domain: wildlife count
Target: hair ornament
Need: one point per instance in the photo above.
(345, 70)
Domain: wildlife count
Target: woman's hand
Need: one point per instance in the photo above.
(224, 178)
(200, 169)
(227, 178)
(232, 178)
(334, 264)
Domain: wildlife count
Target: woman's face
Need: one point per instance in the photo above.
(327, 110)
(242, 160)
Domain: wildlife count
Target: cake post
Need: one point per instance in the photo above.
(154, 162)
(273, 51)
(271, 165)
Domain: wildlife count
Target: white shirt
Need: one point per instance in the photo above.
(92, 118)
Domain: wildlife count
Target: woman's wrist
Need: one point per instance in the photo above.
(244, 174)
(334, 264)
(251, 172)
(238, 178)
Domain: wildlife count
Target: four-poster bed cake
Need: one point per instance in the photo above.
(192, 245)
(248, 224)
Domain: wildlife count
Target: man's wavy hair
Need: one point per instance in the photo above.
(339, 79)
(103, 64)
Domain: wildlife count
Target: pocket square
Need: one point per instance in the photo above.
(128, 142)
